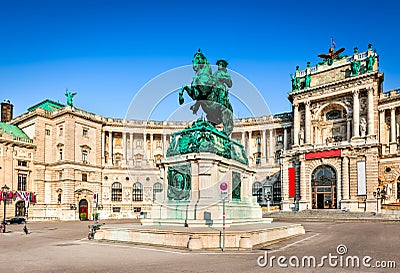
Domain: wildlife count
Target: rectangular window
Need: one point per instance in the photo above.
(138, 143)
(47, 132)
(60, 131)
(61, 154)
(22, 163)
(116, 209)
(137, 209)
(84, 156)
(138, 162)
(22, 182)
(85, 132)
(84, 177)
(60, 176)
(279, 138)
(117, 161)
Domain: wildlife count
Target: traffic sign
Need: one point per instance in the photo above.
(223, 186)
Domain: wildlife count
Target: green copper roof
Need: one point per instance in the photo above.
(47, 105)
(14, 130)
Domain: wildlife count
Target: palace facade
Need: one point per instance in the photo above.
(334, 149)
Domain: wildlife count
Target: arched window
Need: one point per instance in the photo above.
(334, 114)
(324, 172)
(137, 192)
(116, 192)
(276, 192)
(257, 191)
(156, 189)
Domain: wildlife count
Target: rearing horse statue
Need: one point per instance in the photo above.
(210, 92)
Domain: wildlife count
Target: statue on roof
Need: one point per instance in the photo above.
(69, 96)
(332, 55)
(295, 80)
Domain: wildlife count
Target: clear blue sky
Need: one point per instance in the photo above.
(107, 50)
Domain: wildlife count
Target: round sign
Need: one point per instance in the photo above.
(223, 186)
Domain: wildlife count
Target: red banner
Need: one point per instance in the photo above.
(292, 182)
(331, 153)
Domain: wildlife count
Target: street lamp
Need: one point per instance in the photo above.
(267, 190)
(378, 194)
(5, 192)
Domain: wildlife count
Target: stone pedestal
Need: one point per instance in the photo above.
(201, 203)
(198, 160)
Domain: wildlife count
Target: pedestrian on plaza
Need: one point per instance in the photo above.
(25, 229)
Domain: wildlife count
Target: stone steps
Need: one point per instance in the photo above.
(329, 214)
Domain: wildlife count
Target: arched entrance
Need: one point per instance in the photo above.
(20, 208)
(83, 210)
(323, 185)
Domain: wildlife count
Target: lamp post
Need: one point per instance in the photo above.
(267, 190)
(268, 195)
(5, 192)
(378, 194)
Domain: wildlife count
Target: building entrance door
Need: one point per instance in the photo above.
(83, 210)
(320, 201)
(323, 186)
(20, 208)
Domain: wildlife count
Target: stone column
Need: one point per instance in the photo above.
(151, 147)
(381, 125)
(131, 147)
(371, 121)
(345, 179)
(296, 124)
(103, 146)
(393, 125)
(393, 137)
(110, 148)
(165, 145)
(249, 150)
(348, 130)
(302, 185)
(264, 148)
(285, 185)
(356, 114)
(244, 140)
(307, 129)
(285, 139)
(145, 147)
(271, 147)
(124, 147)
